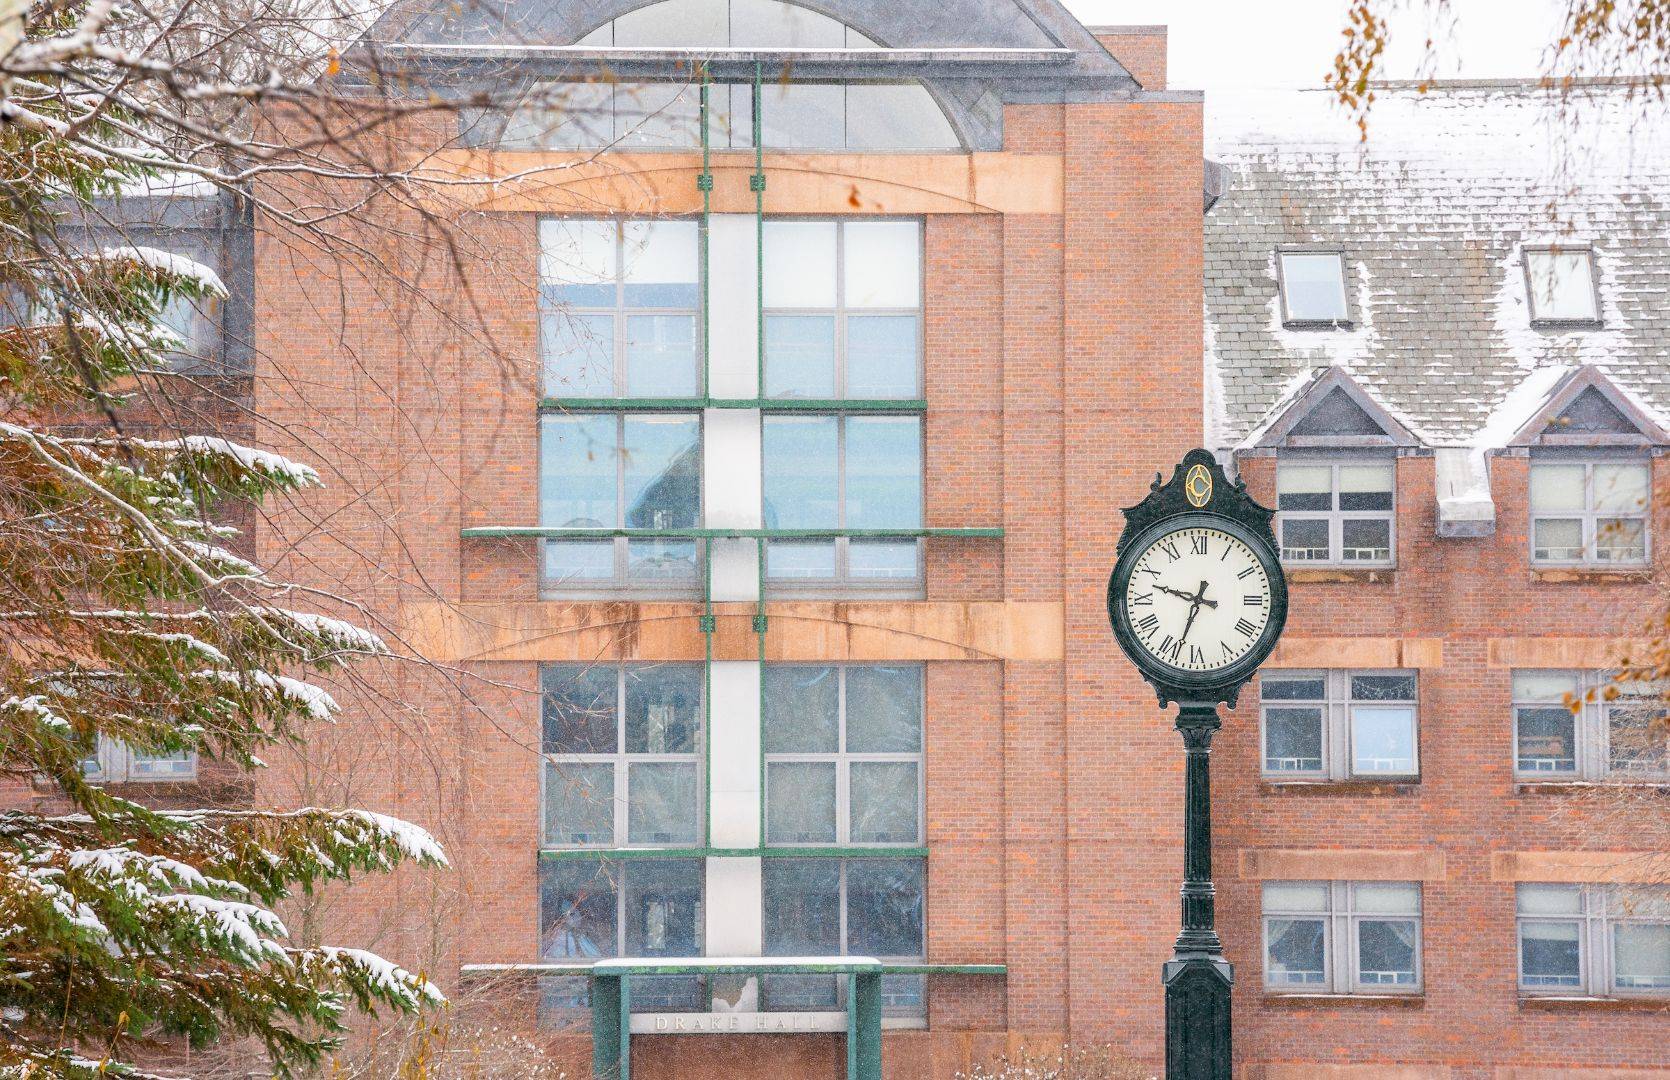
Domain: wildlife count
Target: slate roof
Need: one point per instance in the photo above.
(1432, 214)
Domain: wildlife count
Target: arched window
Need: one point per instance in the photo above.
(855, 115)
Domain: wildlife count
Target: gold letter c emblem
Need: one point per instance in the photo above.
(1197, 486)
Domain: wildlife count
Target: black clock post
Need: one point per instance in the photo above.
(1171, 540)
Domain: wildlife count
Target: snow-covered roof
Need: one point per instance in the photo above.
(1433, 214)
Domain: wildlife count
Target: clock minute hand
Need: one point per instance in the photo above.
(1190, 597)
(1195, 603)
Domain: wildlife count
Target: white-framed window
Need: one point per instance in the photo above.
(1342, 937)
(843, 472)
(1339, 725)
(619, 305)
(1585, 725)
(1337, 513)
(1560, 283)
(843, 309)
(595, 909)
(622, 746)
(836, 906)
(1313, 288)
(1594, 940)
(843, 754)
(609, 470)
(118, 763)
(1590, 512)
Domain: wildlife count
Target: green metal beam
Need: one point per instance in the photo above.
(828, 852)
(502, 532)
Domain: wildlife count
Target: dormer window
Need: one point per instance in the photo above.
(1591, 512)
(1561, 285)
(1313, 288)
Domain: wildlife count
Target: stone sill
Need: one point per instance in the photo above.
(1384, 575)
(1361, 1001)
(1366, 788)
(1554, 1003)
(1581, 787)
(1582, 575)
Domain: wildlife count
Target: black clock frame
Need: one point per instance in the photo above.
(1228, 508)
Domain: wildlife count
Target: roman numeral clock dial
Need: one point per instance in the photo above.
(1199, 599)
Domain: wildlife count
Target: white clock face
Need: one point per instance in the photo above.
(1198, 599)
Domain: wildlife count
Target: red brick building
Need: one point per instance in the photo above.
(757, 499)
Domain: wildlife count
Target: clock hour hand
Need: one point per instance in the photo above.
(1190, 597)
(1195, 603)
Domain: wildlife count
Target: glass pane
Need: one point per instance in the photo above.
(577, 909)
(882, 356)
(1556, 487)
(559, 116)
(579, 560)
(1314, 286)
(1296, 896)
(800, 264)
(1549, 900)
(800, 710)
(1366, 487)
(661, 803)
(802, 906)
(884, 907)
(802, 116)
(1304, 540)
(1304, 487)
(1291, 687)
(1557, 539)
(896, 116)
(1293, 740)
(1297, 952)
(884, 710)
(661, 560)
(663, 474)
(1621, 489)
(577, 261)
(884, 472)
(579, 352)
(770, 24)
(1383, 687)
(883, 795)
(663, 908)
(802, 560)
(1393, 897)
(1561, 287)
(800, 356)
(579, 803)
(180, 764)
(1382, 740)
(883, 267)
(1386, 952)
(577, 471)
(800, 993)
(1366, 541)
(1641, 956)
(1546, 739)
(1550, 953)
(801, 487)
(883, 560)
(675, 24)
(800, 802)
(1534, 685)
(657, 116)
(1636, 737)
(1620, 540)
(660, 263)
(661, 356)
(663, 708)
(578, 706)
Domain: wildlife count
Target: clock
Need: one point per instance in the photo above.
(1197, 598)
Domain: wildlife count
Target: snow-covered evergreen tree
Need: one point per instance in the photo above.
(125, 618)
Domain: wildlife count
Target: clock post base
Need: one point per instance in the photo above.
(1197, 1017)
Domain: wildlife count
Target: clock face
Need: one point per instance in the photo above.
(1198, 599)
